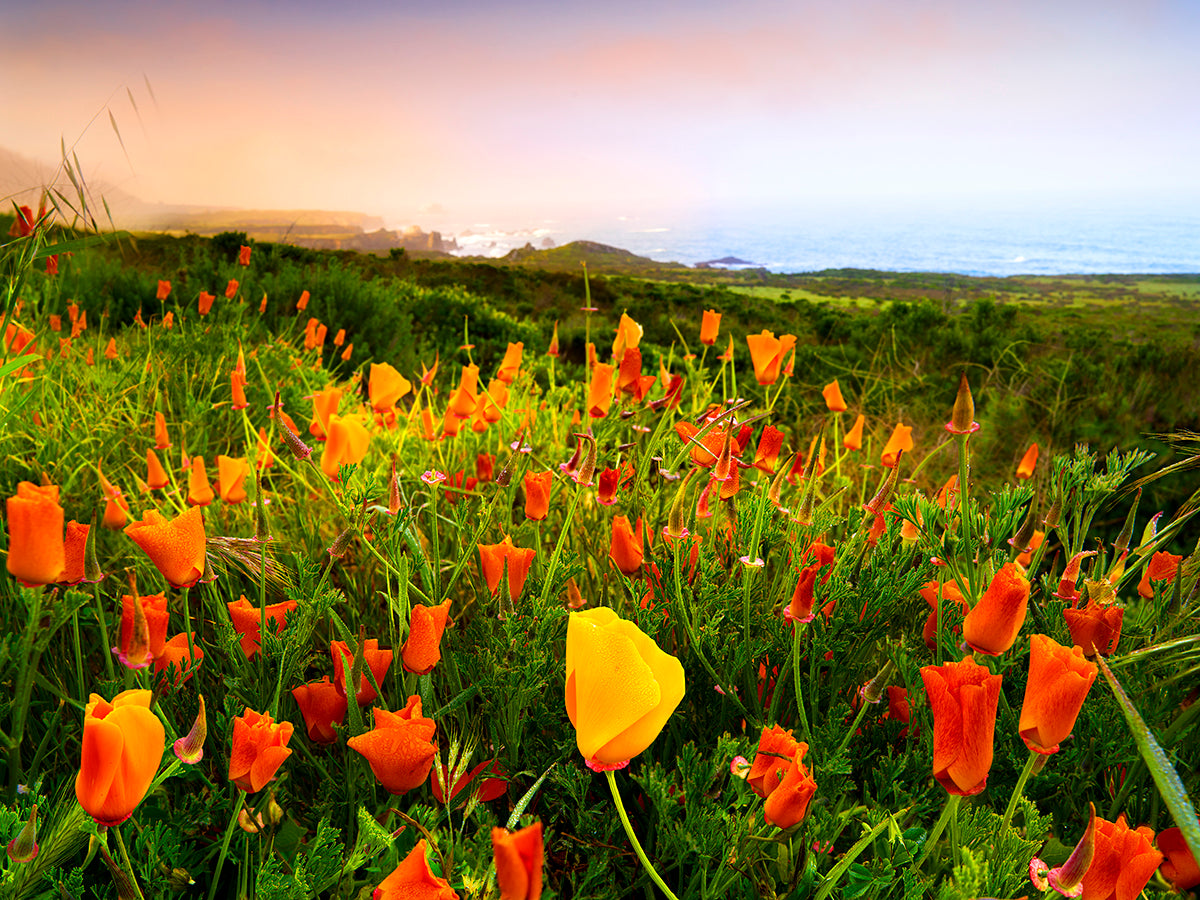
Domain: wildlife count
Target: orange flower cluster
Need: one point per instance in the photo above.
(779, 775)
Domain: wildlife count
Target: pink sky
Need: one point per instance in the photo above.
(549, 107)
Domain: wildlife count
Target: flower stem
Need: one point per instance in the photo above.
(1019, 789)
(548, 584)
(125, 859)
(216, 877)
(951, 809)
(637, 847)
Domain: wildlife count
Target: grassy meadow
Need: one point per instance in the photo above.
(648, 581)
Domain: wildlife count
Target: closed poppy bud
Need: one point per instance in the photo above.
(36, 549)
(243, 256)
(626, 547)
(1096, 628)
(175, 546)
(1059, 680)
(24, 847)
(413, 879)
(378, 661)
(154, 610)
(552, 350)
(787, 804)
(621, 687)
(600, 393)
(491, 562)
(710, 324)
(422, 651)
(247, 621)
(123, 743)
(204, 305)
(1179, 867)
(854, 437)
(74, 553)
(231, 289)
(510, 366)
(161, 440)
(963, 697)
(399, 748)
(833, 397)
(1123, 862)
(518, 857)
(164, 290)
(259, 749)
(900, 441)
(767, 353)
(992, 625)
(323, 706)
(1028, 461)
(156, 475)
(200, 491)
(962, 419)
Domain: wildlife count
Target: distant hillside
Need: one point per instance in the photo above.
(599, 257)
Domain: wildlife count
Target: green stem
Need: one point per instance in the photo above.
(105, 645)
(216, 877)
(806, 731)
(637, 847)
(950, 810)
(548, 584)
(125, 859)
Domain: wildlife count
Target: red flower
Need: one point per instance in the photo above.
(243, 256)
(399, 748)
(1179, 867)
(378, 661)
(1123, 862)
(323, 706)
(247, 621)
(259, 749)
(778, 774)
(1096, 628)
(422, 650)
(626, 547)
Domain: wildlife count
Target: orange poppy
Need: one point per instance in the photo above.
(1028, 461)
(175, 653)
(1096, 628)
(175, 546)
(1059, 681)
(1180, 866)
(110, 349)
(552, 350)
(710, 324)
(400, 748)
(243, 255)
(205, 302)
(74, 552)
(422, 651)
(537, 494)
(378, 661)
(169, 320)
(770, 443)
(302, 303)
(519, 858)
(1123, 862)
(157, 619)
(200, 491)
(412, 879)
(494, 557)
(900, 440)
(237, 389)
(629, 334)
(385, 386)
(231, 474)
(992, 625)
(322, 706)
(600, 392)
(231, 289)
(625, 550)
(833, 397)
(325, 404)
(36, 549)
(123, 743)
(259, 749)
(247, 621)
(347, 445)
(1163, 566)
(963, 697)
(156, 475)
(510, 366)
(164, 290)
(161, 441)
(767, 353)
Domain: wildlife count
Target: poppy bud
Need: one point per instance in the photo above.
(24, 847)
(962, 418)
(587, 468)
(190, 748)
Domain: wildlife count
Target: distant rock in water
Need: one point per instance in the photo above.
(724, 261)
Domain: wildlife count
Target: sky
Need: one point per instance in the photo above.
(472, 109)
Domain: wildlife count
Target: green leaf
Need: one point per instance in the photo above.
(1165, 777)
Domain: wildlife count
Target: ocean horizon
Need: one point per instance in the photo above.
(996, 239)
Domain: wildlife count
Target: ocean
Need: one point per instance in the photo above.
(998, 238)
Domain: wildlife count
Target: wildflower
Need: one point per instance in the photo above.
(833, 397)
(169, 320)
(629, 334)
(801, 607)
(115, 506)
(189, 749)
(204, 305)
(1163, 566)
(123, 743)
(770, 443)
(156, 475)
(414, 879)
(175, 546)
(710, 324)
(485, 467)
(237, 390)
(385, 386)
(610, 481)
(323, 706)
(1066, 584)
(259, 749)
(510, 366)
(74, 553)
(600, 393)
(518, 857)
(1059, 680)
(138, 650)
(24, 847)
(243, 256)
(854, 437)
(231, 289)
(231, 473)
(963, 697)
(302, 303)
(900, 441)
(52, 264)
(1096, 628)
(465, 397)
(347, 444)
(949, 591)
(400, 748)
(200, 492)
(552, 350)
(767, 353)
(164, 290)
(625, 550)
(378, 661)
(1179, 867)
(621, 688)
(779, 776)
(422, 650)
(1028, 461)
(1123, 862)
(346, 353)
(325, 405)
(161, 440)
(247, 621)
(493, 558)
(175, 653)
(36, 549)
(992, 625)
